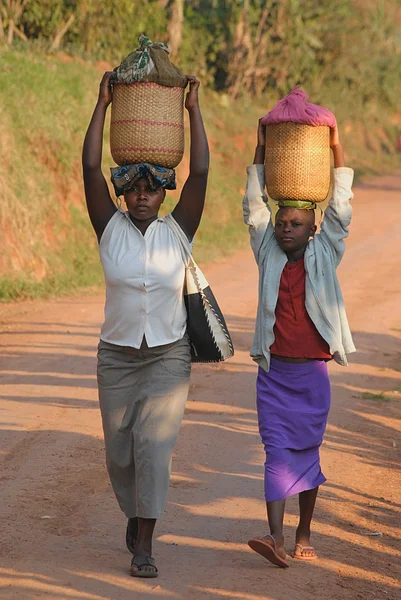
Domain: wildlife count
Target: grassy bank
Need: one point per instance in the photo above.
(47, 245)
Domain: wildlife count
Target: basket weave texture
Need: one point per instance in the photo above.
(297, 162)
(147, 124)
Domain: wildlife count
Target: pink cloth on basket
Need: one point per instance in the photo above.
(296, 108)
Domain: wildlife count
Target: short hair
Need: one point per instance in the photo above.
(310, 212)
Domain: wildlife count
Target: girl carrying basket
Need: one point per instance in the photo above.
(301, 324)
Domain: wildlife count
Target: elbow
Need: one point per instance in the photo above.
(91, 158)
(200, 171)
(199, 164)
(90, 162)
(246, 214)
(89, 167)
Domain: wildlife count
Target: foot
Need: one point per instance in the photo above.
(131, 534)
(143, 566)
(303, 550)
(270, 547)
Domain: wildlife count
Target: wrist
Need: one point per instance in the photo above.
(193, 109)
(103, 104)
(338, 156)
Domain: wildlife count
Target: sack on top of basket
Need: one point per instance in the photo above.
(295, 108)
(150, 63)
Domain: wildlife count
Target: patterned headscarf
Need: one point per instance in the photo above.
(124, 178)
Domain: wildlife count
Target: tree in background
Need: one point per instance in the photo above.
(175, 26)
(11, 13)
(242, 47)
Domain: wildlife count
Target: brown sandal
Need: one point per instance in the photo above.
(268, 551)
(302, 548)
(143, 561)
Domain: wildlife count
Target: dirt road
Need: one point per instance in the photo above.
(62, 535)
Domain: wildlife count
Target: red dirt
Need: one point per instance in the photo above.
(62, 532)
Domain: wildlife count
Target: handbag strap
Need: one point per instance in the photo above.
(191, 266)
(186, 248)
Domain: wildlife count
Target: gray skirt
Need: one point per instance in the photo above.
(142, 396)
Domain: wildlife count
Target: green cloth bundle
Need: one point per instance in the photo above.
(149, 63)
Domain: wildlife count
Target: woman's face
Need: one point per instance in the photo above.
(142, 201)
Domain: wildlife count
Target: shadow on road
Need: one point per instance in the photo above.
(58, 473)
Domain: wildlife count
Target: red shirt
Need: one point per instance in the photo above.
(295, 335)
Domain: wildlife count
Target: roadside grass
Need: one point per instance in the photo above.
(380, 397)
(47, 245)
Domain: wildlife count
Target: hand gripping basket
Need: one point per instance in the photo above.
(297, 162)
(147, 124)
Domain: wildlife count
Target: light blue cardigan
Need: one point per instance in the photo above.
(324, 301)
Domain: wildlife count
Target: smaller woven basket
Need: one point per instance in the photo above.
(147, 124)
(297, 162)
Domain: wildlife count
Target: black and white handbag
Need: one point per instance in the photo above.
(206, 327)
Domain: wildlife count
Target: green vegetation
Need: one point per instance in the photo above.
(239, 46)
(248, 54)
(381, 397)
(48, 247)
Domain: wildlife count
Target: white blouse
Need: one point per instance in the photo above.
(144, 276)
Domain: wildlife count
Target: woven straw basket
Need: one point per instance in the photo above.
(147, 124)
(297, 165)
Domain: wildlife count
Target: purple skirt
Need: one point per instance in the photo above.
(293, 402)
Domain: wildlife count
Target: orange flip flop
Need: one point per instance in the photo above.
(268, 551)
(302, 548)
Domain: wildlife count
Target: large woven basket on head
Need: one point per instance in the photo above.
(147, 124)
(297, 162)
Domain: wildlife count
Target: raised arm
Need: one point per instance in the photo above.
(188, 211)
(257, 214)
(337, 216)
(98, 201)
(335, 145)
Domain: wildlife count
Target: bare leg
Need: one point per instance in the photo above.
(275, 516)
(131, 534)
(307, 502)
(143, 546)
(271, 546)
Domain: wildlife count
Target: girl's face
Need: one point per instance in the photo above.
(142, 201)
(293, 228)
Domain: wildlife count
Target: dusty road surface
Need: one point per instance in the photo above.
(62, 535)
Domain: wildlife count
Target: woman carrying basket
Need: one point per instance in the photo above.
(144, 359)
(301, 324)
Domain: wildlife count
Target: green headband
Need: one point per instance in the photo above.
(301, 204)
